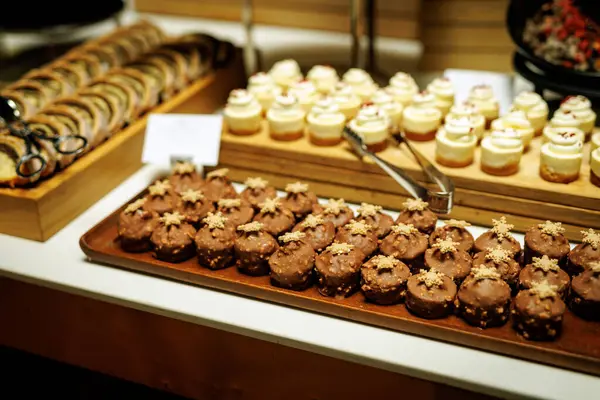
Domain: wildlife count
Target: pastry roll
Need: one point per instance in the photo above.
(56, 85)
(123, 95)
(91, 113)
(34, 93)
(108, 106)
(12, 149)
(87, 65)
(76, 124)
(140, 83)
(159, 72)
(55, 128)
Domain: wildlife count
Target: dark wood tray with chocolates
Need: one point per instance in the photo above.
(187, 220)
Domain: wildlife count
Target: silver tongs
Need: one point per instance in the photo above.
(440, 202)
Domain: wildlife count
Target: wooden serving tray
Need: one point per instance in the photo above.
(578, 347)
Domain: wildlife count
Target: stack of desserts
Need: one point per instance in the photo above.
(434, 270)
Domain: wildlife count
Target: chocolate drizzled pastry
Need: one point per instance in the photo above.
(335, 211)
(445, 257)
(372, 215)
(275, 218)
(547, 239)
(185, 177)
(214, 241)
(218, 186)
(338, 270)
(407, 244)
(194, 206)
(292, 264)
(360, 235)
(499, 235)
(257, 191)
(501, 260)
(538, 312)
(237, 211)
(299, 200)
(173, 238)
(417, 214)
(584, 297)
(430, 294)
(319, 233)
(544, 269)
(484, 298)
(160, 198)
(584, 253)
(252, 248)
(456, 231)
(135, 226)
(383, 280)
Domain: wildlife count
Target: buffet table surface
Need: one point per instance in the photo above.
(60, 264)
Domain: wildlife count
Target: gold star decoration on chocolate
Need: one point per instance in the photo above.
(183, 167)
(312, 221)
(334, 206)
(136, 205)
(498, 255)
(385, 263)
(551, 228)
(159, 188)
(501, 228)
(484, 272)
(229, 203)
(592, 238)
(404, 229)
(340, 248)
(171, 219)
(431, 278)
(296, 187)
(270, 206)
(415, 204)
(544, 289)
(545, 263)
(292, 237)
(218, 173)
(445, 245)
(215, 220)
(368, 210)
(457, 223)
(358, 228)
(192, 196)
(254, 226)
(256, 183)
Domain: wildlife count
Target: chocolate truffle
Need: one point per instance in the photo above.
(383, 280)
(407, 244)
(335, 211)
(544, 269)
(584, 298)
(430, 294)
(319, 233)
(500, 259)
(299, 200)
(185, 177)
(214, 242)
(257, 191)
(456, 231)
(218, 186)
(372, 215)
(237, 211)
(338, 270)
(584, 253)
(252, 248)
(135, 226)
(359, 234)
(194, 206)
(547, 239)
(292, 264)
(484, 298)
(275, 218)
(416, 213)
(538, 312)
(499, 235)
(173, 238)
(445, 257)
(159, 199)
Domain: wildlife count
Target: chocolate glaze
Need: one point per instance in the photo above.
(380, 221)
(456, 264)
(160, 204)
(194, 211)
(366, 243)
(135, 230)
(384, 285)
(292, 265)
(185, 181)
(431, 303)
(342, 218)
(581, 255)
(484, 302)
(219, 187)
(424, 220)
(215, 246)
(320, 236)
(584, 298)
(538, 244)
(255, 196)
(489, 240)
(173, 243)
(252, 250)
(237, 215)
(301, 204)
(458, 234)
(338, 275)
(535, 318)
(509, 270)
(408, 249)
(531, 275)
(278, 222)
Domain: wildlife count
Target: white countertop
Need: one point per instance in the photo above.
(60, 264)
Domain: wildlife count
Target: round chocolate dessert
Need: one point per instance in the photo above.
(135, 227)
(218, 186)
(383, 280)
(214, 242)
(372, 215)
(430, 294)
(417, 214)
(173, 238)
(159, 198)
(484, 298)
(292, 264)
(237, 211)
(275, 218)
(584, 253)
(456, 231)
(407, 244)
(319, 233)
(538, 312)
(547, 239)
(584, 297)
(252, 248)
(499, 235)
(445, 257)
(338, 270)
(185, 177)
(544, 269)
(360, 235)
(335, 211)
(194, 206)
(501, 260)
(257, 191)
(299, 200)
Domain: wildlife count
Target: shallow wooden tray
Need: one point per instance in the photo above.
(578, 348)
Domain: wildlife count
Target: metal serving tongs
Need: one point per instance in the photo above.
(440, 202)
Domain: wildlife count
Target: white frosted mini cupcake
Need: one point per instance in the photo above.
(422, 118)
(347, 101)
(560, 159)
(306, 93)
(483, 97)
(468, 110)
(361, 82)
(595, 167)
(595, 141)
(286, 118)
(443, 91)
(550, 132)
(325, 123)
(323, 77)
(285, 73)
(373, 125)
(535, 107)
(501, 153)
(518, 121)
(403, 88)
(392, 108)
(242, 113)
(561, 119)
(264, 89)
(455, 143)
(581, 107)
